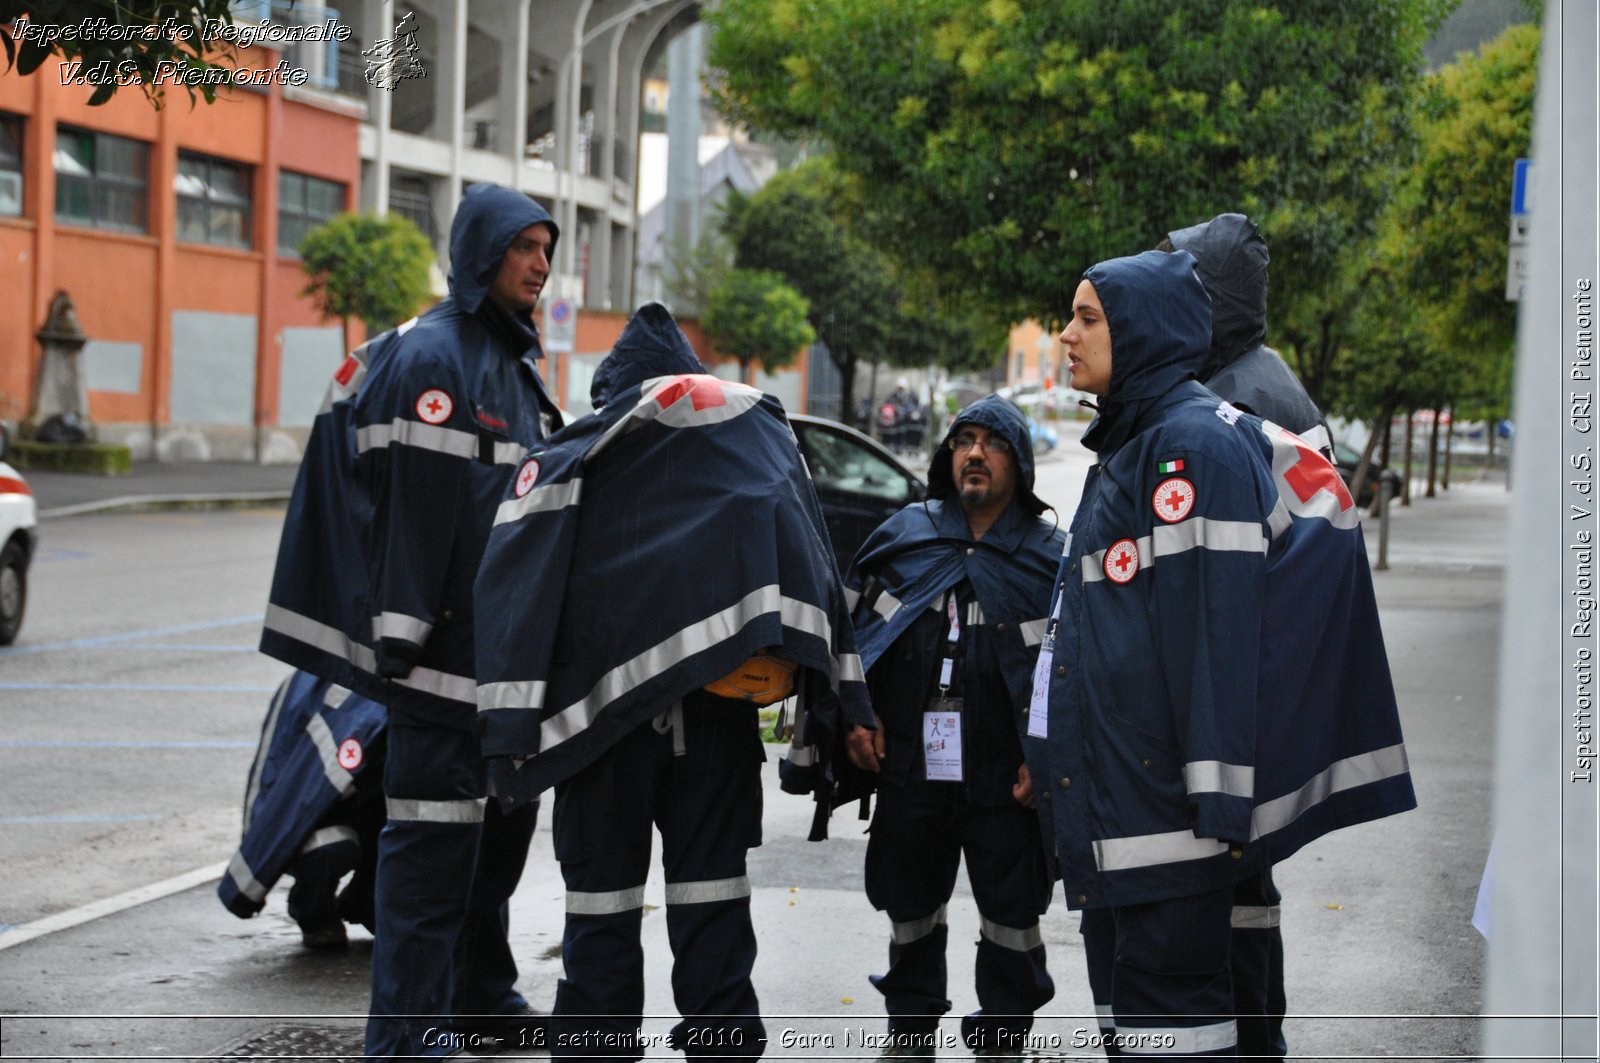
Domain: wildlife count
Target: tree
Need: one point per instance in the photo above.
(693, 273)
(1008, 146)
(375, 269)
(149, 43)
(755, 316)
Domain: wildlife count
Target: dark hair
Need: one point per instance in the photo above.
(1165, 245)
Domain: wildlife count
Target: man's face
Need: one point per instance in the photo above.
(1087, 339)
(984, 468)
(524, 269)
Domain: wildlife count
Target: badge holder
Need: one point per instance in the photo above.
(941, 724)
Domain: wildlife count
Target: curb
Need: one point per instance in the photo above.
(166, 503)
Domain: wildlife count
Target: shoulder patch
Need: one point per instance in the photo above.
(435, 406)
(350, 754)
(1229, 413)
(527, 476)
(1173, 499)
(1175, 465)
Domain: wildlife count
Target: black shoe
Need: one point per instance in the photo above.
(323, 936)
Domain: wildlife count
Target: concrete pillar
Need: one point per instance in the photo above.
(683, 137)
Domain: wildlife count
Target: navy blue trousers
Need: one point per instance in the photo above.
(1194, 976)
(448, 862)
(694, 775)
(919, 833)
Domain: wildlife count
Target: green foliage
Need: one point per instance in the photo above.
(375, 269)
(755, 316)
(151, 43)
(1004, 147)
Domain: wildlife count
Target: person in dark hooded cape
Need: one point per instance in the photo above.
(421, 432)
(1231, 259)
(951, 601)
(1217, 688)
(646, 552)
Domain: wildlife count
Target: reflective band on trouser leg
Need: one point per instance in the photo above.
(612, 902)
(1011, 938)
(917, 929)
(1255, 962)
(466, 810)
(1168, 1041)
(725, 889)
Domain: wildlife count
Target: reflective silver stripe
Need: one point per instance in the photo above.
(545, 499)
(419, 434)
(801, 756)
(1219, 777)
(1317, 438)
(1233, 536)
(672, 650)
(1345, 774)
(462, 810)
(1009, 937)
(1147, 850)
(521, 694)
(319, 635)
(974, 614)
(886, 606)
(917, 929)
(336, 696)
(1033, 631)
(400, 626)
(441, 685)
(847, 669)
(244, 877)
(328, 753)
(612, 903)
(509, 453)
(1280, 519)
(1106, 1020)
(1094, 565)
(252, 786)
(330, 836)
(851, 598)
(803, 616)
(1254, 917)
(709, 891)
(1176, 1040)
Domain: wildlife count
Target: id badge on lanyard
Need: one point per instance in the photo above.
(941, 723)
(1039, 702)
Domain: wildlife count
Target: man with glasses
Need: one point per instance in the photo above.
(953, 596)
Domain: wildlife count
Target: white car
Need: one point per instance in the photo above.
(19, 523)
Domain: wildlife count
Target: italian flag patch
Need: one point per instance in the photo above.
(1170, 466)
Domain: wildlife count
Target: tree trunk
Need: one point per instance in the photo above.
(846, 364)
(1433, 451)
(1449, 446)
(1411, 431)
(872, 391)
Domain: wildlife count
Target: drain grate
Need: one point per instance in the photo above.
(333, 1044)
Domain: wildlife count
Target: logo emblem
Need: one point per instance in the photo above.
(350, 754)
(347, 369)
(1174, 499)
(527, 476)
(435, 406)
(1122, 561)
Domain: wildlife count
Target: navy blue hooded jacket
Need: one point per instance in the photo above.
(391, 510)
(1231, 259)
(645, 551)
(1218, 689)
(898, 582)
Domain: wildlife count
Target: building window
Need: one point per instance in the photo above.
(213, 200)
(10, 165)
(303, 204)
(101, 180)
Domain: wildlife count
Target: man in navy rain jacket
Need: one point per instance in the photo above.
(951, 606)
(647, 551)
(1231, 260)
(374, 590)
(1218, 691)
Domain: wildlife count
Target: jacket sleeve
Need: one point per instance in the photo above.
(414, 442)
(1210, 580)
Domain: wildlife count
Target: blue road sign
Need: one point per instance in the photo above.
(1519, 187)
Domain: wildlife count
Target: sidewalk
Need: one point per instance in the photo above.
(165, 972)
(161, 485)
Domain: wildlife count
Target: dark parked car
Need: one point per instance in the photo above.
(859, 482)
(1347, 459)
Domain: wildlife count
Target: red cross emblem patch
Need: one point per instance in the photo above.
(350, 754)
(1174, 499)
(435, 406)
(1122, 561)
(695, 399)
(527, 476)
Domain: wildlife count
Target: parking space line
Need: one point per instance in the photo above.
(16, 935)
(131, 636)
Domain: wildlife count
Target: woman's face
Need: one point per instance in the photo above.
(1087, 339)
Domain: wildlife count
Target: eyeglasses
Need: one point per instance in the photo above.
(993, 444)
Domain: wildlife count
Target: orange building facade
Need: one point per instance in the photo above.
(171, 229)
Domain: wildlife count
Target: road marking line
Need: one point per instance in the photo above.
(110, 906)
(53, 743)
(131, 636)
(166, 688)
